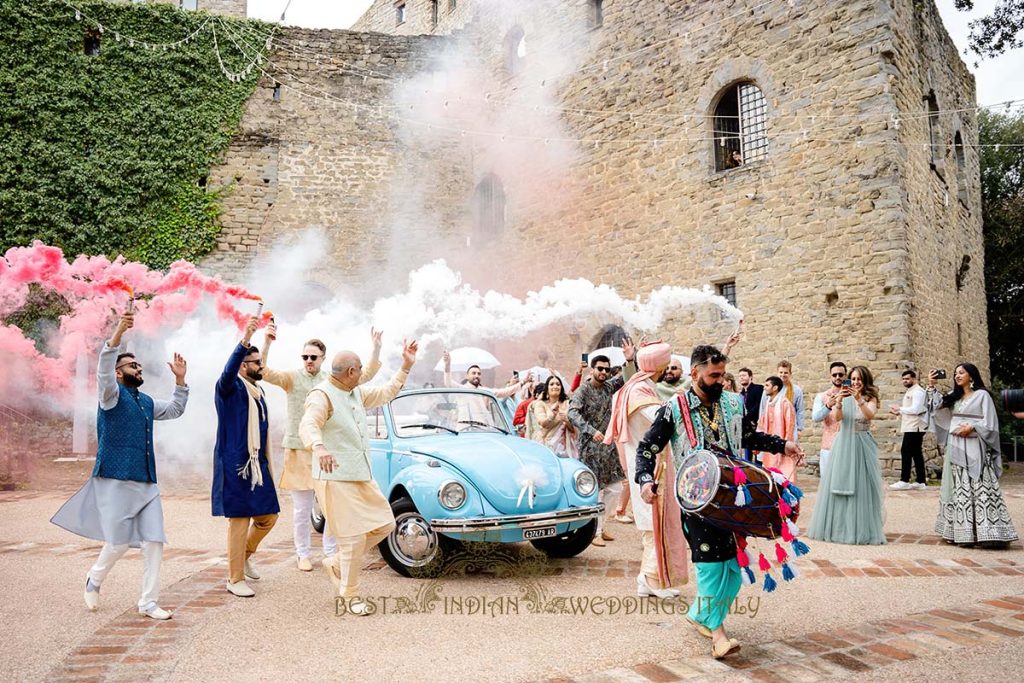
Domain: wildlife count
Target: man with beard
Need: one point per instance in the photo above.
(120, 504)
(589, 411)
(634, 407)
(705, 417)
(473, 378)
(243, 485)
(672, 381)
(822, 412)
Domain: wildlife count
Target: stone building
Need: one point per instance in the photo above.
(596, 139)
(229, 8)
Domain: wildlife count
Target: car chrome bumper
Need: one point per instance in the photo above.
(518, 521)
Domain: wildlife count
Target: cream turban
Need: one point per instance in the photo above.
(654, 357)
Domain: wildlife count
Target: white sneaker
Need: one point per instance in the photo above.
(241, 589)
(359, 608)
(644, 589)
(154, 611)
(917, 486)
(250, 571)
(900, 486)
(92, 595)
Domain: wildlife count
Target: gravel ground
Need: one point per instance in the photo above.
(290, 629)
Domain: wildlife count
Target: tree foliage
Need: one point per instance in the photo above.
(995, 33)
(104, 153)
(1002, 196)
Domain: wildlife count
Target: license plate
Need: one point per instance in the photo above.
(541, 532)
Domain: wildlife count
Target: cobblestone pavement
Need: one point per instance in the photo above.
(880, 613)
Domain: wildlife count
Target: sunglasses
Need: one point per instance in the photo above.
(257, 362)
(313, 357)
(133, 366)
(839, 374)
(602, 369)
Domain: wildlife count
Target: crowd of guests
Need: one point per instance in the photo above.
(851, 499)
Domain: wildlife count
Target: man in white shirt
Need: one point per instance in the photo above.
(913, 424)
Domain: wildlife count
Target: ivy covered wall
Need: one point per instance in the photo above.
(108, 153)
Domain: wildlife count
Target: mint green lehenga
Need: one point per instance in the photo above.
(850, 501)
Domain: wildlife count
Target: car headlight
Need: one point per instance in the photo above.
(452, 495)
(585, 482)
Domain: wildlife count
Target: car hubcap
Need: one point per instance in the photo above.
(413, 541)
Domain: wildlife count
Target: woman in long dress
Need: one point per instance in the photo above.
(849, 505)
(971, 505)
(551, 411)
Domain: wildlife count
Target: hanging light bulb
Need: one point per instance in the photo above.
(78, 15)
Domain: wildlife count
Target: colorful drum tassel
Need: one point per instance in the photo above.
(784, 508)
(747, 576)
(788, 572)
(769, 583)
(762, 563)
(799, 547)
(780, 554)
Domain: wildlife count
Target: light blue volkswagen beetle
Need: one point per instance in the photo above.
(454, 471)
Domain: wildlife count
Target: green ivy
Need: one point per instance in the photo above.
(104, 154)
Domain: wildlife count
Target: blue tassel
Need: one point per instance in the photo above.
(747, 577)
(769, 583)
(799, 547)
(787, 572)
(795, 490)
(789, 497)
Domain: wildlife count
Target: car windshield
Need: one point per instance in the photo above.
(446, 412)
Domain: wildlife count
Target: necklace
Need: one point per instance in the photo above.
(712, 421)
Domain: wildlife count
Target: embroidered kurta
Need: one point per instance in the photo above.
(590, 409)
(779, 419)
(230, 494)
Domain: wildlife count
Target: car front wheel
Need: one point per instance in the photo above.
(568, 544)
(414, 548)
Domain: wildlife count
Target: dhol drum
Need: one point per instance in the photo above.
(706, 486)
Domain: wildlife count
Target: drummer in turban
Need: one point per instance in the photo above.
(703, 418)
(633, 410)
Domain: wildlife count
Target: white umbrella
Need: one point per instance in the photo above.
(466, 356)
(539, 374)
(614, 354)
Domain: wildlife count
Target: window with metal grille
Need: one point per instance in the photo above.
(726, 290)
(740, 126)
(489, 205)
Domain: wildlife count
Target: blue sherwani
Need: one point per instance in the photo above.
(232, 496)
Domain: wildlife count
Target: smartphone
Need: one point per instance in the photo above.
(847, 382)
(939, 374)
(515, 373)
(585, 358)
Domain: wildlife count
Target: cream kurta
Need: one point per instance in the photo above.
(351, 507)
(298, 471)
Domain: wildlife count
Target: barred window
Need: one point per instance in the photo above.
(489, 205)
(740, 126)
(727, 290)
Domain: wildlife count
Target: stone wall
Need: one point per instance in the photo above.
(382, 17)
(228, 8)
(843, 242)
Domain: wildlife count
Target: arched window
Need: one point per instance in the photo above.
(934, 137)
(515, 49)
(489, 205)
(740, 126)
(609, 335)
(961, 170)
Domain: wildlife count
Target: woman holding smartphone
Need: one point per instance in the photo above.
(849, 505)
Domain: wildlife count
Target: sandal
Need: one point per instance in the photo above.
(701, 628)
(724, 648)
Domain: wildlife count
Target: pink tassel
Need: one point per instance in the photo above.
(786, 536)
(741, 557)
(762, 563)
(784, 508)
(738, 476)
(780, 554)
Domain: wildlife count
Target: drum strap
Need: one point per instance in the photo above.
(684, 412)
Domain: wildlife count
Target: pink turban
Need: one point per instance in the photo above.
(651, 359)
(654, 357)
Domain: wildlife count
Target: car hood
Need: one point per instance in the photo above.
(505, 469)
